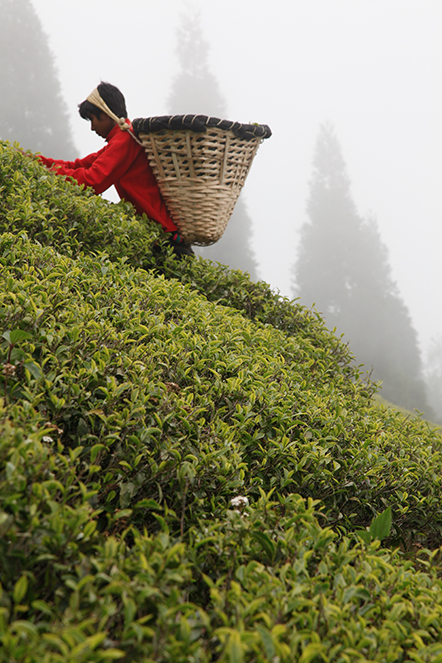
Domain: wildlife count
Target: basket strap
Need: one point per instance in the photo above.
(131, 133)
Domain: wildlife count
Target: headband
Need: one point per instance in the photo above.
(96, 99)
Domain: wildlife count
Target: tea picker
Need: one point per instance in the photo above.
(192, 176)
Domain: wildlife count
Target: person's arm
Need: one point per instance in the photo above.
(100, 170)
(59, 164)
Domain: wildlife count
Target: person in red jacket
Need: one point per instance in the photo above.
(122, 162)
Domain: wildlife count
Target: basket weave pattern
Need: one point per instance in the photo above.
(200, 176)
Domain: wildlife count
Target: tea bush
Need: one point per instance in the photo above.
(57, 212)
(135, 407)
(146, 376)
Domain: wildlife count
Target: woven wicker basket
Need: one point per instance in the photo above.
(200, 164)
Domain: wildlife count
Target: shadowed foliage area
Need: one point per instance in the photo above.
(191, 468)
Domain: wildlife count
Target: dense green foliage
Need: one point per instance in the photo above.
(137, 400)
(342, 267)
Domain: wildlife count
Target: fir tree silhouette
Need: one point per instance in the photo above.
(342, 267)
(195, 90)
(32, 110)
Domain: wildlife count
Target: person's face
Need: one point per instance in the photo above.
(102, 125)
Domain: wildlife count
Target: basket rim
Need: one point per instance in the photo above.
(198, 124)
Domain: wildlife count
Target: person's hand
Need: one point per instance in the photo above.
(25, 152)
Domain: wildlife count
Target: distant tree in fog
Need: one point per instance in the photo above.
(32, 111)
(433, 377)
(342, 267)
(195, 90)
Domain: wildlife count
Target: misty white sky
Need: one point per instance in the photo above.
(371, 67)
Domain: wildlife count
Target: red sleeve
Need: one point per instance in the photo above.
(86, 162)
(102, 169)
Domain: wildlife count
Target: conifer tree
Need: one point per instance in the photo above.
(342, 267)
(196, 91)
(32, 111)
(433, 377)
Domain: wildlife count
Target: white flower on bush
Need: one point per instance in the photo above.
(239, 502)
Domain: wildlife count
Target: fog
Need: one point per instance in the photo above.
(372, 68)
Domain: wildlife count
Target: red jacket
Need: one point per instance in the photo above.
(122, 163)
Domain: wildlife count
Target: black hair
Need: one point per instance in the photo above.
(111, 95)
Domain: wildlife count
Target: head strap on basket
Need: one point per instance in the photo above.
(96, 99)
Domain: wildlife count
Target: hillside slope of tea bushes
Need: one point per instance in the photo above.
(54, 212)
(139, 399)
